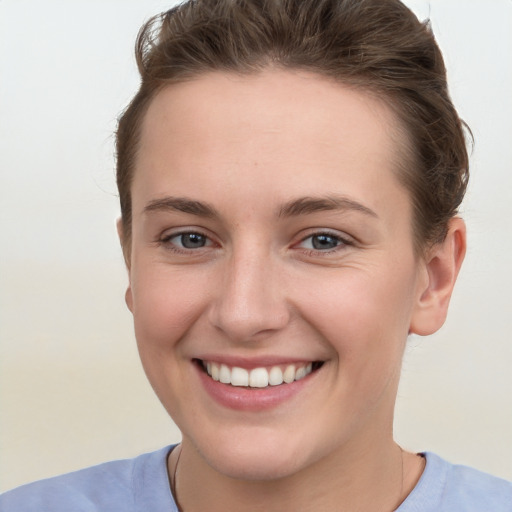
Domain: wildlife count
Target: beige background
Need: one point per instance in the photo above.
(72, 392)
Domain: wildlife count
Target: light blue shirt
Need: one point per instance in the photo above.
(142, 485)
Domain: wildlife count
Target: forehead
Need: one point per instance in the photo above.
(292, 128)
(273, 99)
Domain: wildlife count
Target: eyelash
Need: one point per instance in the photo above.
(166, 241)
(341, 242)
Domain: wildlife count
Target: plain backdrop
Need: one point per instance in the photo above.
(72, 389)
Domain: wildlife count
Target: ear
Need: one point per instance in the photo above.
(123, 241)
(442, 265)
(126, 254)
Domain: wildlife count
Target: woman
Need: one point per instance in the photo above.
(289, 175)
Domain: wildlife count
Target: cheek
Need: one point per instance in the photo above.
(166, 305)
(166, 302)
(363, 315)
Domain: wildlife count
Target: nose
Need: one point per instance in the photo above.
(251, 301)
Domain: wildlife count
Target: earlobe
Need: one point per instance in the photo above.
(442, 267)
(128, 297)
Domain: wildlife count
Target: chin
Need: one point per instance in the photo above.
(256, 468)
(258, 459)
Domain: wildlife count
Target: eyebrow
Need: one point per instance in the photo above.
(294, 208)
(181, 204)
(308, 205)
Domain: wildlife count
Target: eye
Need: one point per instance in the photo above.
(322, 242)
(188, 240)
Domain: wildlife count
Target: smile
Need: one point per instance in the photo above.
(261, 377)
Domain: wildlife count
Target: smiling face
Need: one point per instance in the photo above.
(272, 241)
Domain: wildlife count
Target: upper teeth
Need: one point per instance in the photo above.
(257, 377)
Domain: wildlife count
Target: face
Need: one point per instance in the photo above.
(273, 280)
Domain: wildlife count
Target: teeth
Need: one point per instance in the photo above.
(224, 374)
(214, 372)
(239, 377)
(257, 377)
(300, 373)
(275, 376)
(289, 374)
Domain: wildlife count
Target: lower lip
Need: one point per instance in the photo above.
(256, 399)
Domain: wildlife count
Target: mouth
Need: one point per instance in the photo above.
(259, 377)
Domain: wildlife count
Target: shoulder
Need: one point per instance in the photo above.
(478, 490)
(115, 486)
(446, 487)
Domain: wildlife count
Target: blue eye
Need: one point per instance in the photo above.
(189, 240)
(322, 242)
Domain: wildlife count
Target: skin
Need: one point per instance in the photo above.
(248, 147)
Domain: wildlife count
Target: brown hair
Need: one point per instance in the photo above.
(375, 45)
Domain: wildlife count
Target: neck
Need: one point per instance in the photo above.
(376, 478)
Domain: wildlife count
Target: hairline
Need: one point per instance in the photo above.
(400, 136)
